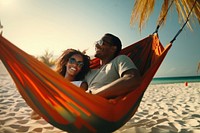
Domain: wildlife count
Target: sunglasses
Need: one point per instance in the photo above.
(74, 61)
(100, 42)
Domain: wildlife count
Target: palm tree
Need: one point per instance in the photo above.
(198, 68)
(143, 8)
(47, 58)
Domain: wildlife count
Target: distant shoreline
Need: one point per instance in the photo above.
(156, 80)
(177, 77)
(168, 80)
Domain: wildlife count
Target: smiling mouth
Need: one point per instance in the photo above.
(73, 69)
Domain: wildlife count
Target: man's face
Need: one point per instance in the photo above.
(104, 49)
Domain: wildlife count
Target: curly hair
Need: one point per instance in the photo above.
(64, 58)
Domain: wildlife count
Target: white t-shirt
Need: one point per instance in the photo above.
(112, 71)
(77, 83)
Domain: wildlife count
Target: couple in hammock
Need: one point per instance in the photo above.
(116, 76)
(74, 66)
(116, 72)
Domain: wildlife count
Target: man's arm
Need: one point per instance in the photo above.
(130, 80)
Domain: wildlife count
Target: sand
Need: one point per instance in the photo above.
(167, 108)
(164, 108)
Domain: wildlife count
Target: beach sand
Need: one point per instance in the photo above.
(164, 108)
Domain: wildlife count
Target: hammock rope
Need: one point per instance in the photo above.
(187, 19)
(163, 18)
(181, 29)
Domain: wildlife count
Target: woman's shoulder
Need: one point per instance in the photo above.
(81, 84)
(77, 83)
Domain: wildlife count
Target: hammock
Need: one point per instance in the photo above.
(68, 107)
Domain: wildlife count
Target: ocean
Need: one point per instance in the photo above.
(168, 80)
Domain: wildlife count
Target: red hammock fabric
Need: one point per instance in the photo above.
(68, 107)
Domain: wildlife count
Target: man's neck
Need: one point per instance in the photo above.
(106, 61)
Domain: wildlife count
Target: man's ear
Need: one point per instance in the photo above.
(114, 49)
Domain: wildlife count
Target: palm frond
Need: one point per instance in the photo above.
(163, 13)
(142, 10)
(47, 58)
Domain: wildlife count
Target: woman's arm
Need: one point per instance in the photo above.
(84, 85)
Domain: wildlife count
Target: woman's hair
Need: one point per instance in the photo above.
(64, 58)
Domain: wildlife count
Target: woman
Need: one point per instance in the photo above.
(72, 65)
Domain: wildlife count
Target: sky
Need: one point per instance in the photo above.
(56, 25)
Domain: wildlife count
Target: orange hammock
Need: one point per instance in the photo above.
(68, 107)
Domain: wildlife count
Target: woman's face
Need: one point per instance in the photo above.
(74, 65)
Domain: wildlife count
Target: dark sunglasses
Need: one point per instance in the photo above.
(73, 61)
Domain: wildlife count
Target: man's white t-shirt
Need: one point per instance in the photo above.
(112, 71)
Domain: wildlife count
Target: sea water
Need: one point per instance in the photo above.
(156, 80)
(167, 80)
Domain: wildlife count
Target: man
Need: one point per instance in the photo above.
(117, 75)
